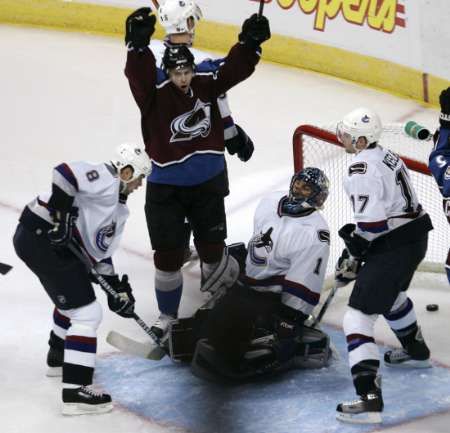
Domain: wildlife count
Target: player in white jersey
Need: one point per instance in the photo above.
(87, 207)
(383, 249)
(257, 327)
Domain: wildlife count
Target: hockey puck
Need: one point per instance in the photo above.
(432, 307)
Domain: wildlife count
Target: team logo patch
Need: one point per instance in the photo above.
(61, 299)
(324, 236)
(262, 240)
(192, 124)
(105, 236)
(357, 168)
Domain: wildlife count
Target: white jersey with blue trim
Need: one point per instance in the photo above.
(288, 254)
(101, 216)
(380, 191)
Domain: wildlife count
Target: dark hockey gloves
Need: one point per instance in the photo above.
(356, 245)
(444, 100)
(255, 31)
(347, 268)
(123, 304)
(61, 234)
(288, 327)
(139, 27)
(240, 144)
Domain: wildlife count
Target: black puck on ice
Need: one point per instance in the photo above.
(432, 307)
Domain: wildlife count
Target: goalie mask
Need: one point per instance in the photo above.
(308, 190)
(361, 122)
(128, 154)
(179, 16)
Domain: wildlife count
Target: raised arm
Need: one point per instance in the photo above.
(140, 68)
(243, 57)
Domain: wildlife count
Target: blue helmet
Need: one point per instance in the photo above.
(318, 184)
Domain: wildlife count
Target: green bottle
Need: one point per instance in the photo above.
(416, 131)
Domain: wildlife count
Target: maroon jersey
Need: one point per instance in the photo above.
(178, 126)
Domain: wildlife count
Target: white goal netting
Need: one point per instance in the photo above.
(314, 146)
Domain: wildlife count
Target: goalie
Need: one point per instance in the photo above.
(258, 326)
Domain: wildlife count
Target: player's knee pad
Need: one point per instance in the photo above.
(357, 322)
(169, 261)
(209, 252)
(88, 316)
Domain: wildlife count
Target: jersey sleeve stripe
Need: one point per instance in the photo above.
(68, 175)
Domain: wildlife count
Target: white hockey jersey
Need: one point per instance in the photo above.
(288, 254)
(381, 193)
(101, 216)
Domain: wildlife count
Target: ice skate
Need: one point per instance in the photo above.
(83, 401)
(365, 410)
(415, 355)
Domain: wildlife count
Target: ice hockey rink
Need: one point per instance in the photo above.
(63, 97)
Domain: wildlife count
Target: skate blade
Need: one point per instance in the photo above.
(360, 418)
(70, 409)
(54, 372)
(410, 364)
(128, 345)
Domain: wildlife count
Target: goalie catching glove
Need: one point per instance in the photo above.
(123, 303)
(347, 268)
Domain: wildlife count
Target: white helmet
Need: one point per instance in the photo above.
(361, 122)
(135, 156)
(174, 14)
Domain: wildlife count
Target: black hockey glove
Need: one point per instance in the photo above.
(255, 31)
(240, 144)
(347, 268)
(61, 234)
(288, 328)
(356, 245)
(139, 27)
(444, 100)
(123, 304)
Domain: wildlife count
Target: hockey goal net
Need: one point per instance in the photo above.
(319, 147)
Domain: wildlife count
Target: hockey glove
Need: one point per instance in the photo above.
(139, 27)
(240, 144)
(61, 234)
(255, 31)
(288, 328)
(356, 245)
(444, 100)
(347, 268)
(123, 304)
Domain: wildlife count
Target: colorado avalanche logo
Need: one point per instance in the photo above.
(263, 240)
(105, 236)
(192, 124)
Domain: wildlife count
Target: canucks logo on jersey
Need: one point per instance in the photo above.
(105, 236)
(262, 240)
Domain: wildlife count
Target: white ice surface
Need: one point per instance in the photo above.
(64, 97)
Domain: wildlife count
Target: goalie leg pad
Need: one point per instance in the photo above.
(225, 274)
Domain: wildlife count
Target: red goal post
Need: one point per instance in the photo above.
(319, 147)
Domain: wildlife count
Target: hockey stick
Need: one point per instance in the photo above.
(261, 8)
(325, 305)
(4, 268)
(79, 252)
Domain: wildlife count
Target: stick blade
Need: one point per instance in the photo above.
(4, 268)
(132, 347)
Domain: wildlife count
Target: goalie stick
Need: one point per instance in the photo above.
(4, 268)
(79, 252)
